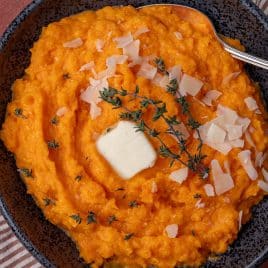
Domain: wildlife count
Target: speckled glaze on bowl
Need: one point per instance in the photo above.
(234, 18)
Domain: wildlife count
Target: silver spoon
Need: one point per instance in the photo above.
(194, 14)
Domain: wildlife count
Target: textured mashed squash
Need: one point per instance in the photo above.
(74, 185)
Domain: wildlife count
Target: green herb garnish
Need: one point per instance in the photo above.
(128, 236)
(111, 219)
(133, 204)
(76, 218)
(160, 64)
(109, 129)
(53, 144)
(91, 218)
(19, 113)
(197, 195)
(66, 76)
(48, 201)
(78, 178)
(25, 172)
(54, 120)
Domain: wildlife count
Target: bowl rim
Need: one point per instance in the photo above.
(22, 237)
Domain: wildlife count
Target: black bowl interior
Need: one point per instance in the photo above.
(234, 18)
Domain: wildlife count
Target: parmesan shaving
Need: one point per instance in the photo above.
(238, 143)
(240, 215)
(209, 190)
(223, 182)
(141, 30)
(132, 51)
(210, 96)
(199, 204)
(223, 148)
(245, 160)
(249, 139)
(230, 77)
(265, 174)
(123, 41)
(95, 110)
(178, 35)
(73, 43)
(258, 159)
(62, 111)
(215, 134)
(234, 132)
(175, 73)
(230, 116)
(87, 67)
(99, 45)
(251, 103)
(91, 94)
(172, 230)
(190, 85)
(113, 60)
(182, 129)
(179, 175)
(147, 71)
(258, 111)
(154, 187)
(263, 185)
(244, 122)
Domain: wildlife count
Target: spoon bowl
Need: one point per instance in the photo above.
(199, 19)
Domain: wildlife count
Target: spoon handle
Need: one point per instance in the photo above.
(245, 56)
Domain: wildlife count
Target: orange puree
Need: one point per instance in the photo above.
(72, 179)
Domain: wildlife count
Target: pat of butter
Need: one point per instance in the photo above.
(126, 150)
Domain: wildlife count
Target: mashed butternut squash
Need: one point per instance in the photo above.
(154, 218)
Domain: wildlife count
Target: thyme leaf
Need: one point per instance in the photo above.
(172, 87)
(48, 201)
(53, 144)
(197, 196)
(25, 172)
(19, 113)
(133, 204)
(54, 120)
(78, 178)
(111, 219)
(76, 218)
(66, 76)
(91, 218)
(128, 236)
(160, 110)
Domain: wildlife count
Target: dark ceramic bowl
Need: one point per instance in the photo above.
(239, 19)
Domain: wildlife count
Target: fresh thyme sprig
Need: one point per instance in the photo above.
(193, 162)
